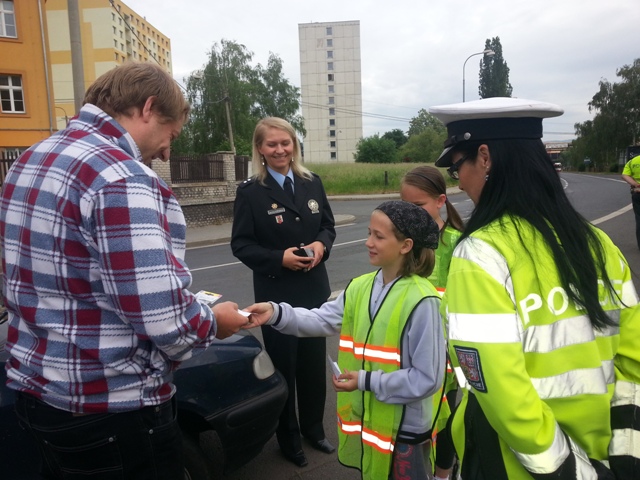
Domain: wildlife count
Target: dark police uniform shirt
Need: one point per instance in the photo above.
(266, 222)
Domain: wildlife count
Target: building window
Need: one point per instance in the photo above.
(329, 42)
(11, 94)
(117, 56)
(332, 111)
(334, 155)
(329, 53)
(115, 43)
(122, 47)
(329, 30)
(332, 144)
(115, 30)
(329, 65)
(332, 122)
(330, 77)
(331, 89)
(113, 17)
(332, 100)
(332, 133)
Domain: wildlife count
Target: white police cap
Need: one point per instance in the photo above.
(497, 118)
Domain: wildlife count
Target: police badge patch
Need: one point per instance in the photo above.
(469, 360)
(313, 206)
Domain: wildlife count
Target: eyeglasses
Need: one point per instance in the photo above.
(453, 169)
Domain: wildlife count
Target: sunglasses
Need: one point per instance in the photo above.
(453, 169)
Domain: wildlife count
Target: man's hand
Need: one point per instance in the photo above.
(228, 320)
(260, 314)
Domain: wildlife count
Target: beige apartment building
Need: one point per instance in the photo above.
(111, 34)
(330, 71)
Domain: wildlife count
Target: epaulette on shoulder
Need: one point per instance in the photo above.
(247, 182)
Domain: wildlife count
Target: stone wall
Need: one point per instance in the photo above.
(205, 203)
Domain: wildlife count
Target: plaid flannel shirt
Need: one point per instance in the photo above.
(93, 246)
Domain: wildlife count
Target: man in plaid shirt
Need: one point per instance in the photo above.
(96, 286)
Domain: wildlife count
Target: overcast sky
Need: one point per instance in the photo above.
(413, 51)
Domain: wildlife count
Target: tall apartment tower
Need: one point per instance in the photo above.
(111, 34)
(331, 87)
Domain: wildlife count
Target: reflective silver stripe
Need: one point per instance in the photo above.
(626, 393)
(485, 328)
(629, 294)
(376, 441)
(551, 459)
(489, 259)
(625, 442)
(462, 380)
(373, 354)
(346, 344)
(585, 381)
(584, 469)
(568, 331)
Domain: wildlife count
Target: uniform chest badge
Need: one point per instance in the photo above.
(275, 210)
(279, 219)
(313, 206)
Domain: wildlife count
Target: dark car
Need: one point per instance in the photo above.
(229, 401)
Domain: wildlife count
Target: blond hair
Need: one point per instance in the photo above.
(260, 132)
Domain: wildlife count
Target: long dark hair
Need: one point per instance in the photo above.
(523, 184)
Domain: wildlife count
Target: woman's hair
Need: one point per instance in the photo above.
(523, 184)
(259, 165)
(128, 87)
(430, 180)
(419, 261)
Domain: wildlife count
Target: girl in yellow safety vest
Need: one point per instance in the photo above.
(425, 187)
(391, 346)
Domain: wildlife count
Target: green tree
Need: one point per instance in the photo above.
(376, 149)
(397, 136)
(425, 121)
(616, 123)
(229, 96)
(494, 72)
(423, 147)
(275, 96)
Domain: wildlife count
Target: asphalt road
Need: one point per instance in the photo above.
(603, 200)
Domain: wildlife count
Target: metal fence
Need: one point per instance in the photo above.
(197, 168)
(242, 167)
(205, 168)
(184, 168)
(7, 157)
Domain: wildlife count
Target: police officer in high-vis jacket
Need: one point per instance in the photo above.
(543, 317)
(631, 175)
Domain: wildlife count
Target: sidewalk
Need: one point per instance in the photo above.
(216, 234)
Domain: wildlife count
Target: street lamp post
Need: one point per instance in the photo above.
(488, 52)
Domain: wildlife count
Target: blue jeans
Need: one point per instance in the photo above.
(141, 444)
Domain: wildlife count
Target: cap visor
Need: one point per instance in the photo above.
(444, 160)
